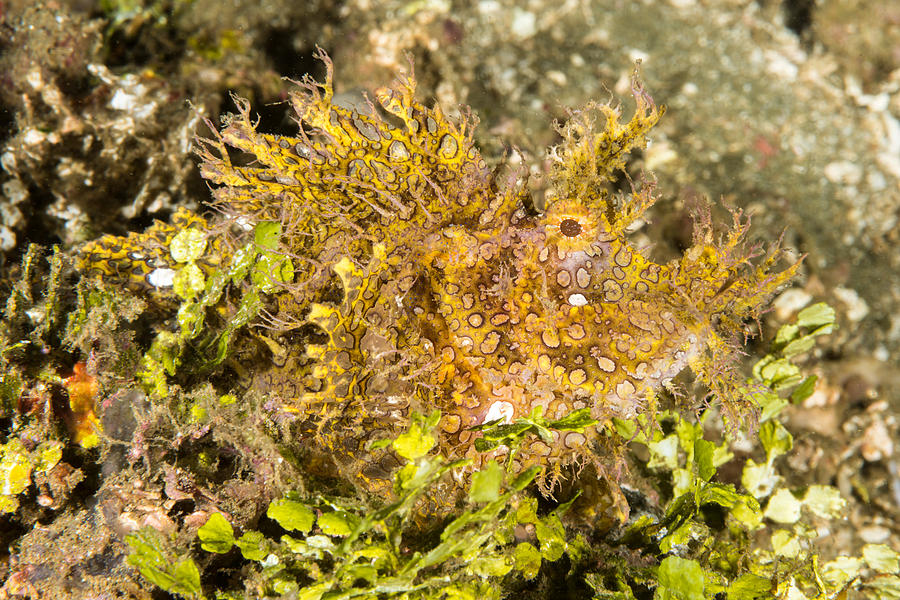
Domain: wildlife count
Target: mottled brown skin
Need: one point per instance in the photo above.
(455, 295)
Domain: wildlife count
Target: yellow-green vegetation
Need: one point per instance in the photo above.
(17, 465)
(333, 548)
(31, 446)
(704, 544)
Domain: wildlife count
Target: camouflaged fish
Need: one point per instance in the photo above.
(432, 282)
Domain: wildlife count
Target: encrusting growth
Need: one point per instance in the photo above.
(455, 293)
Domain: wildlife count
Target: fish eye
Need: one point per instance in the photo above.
(570, 227)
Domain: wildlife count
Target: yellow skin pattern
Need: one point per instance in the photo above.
(456, 294)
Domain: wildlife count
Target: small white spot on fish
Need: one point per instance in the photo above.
(500, 410)
(577, 300)
(161, 278)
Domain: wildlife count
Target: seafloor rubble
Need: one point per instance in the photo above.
(768, 109)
